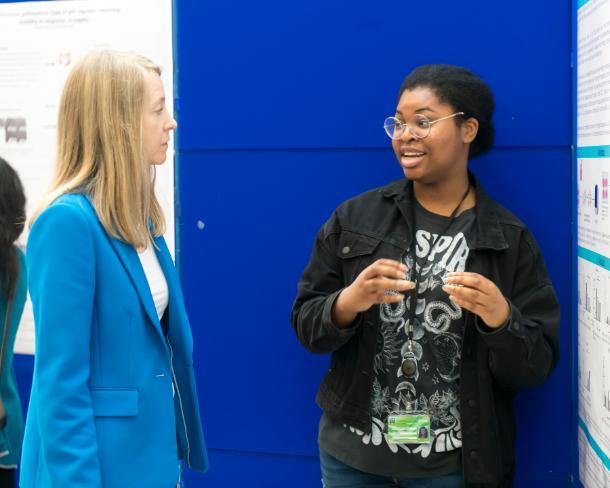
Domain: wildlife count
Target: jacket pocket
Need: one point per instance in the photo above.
(114, 402)
(352, 244)
(356, 252)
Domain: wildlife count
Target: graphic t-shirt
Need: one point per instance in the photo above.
(437, 346)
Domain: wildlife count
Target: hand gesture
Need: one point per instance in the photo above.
(381, 282)
(478, 295)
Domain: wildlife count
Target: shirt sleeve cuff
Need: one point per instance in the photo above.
(497, 338)
(330, 326)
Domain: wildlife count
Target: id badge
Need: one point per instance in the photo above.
(408, 428)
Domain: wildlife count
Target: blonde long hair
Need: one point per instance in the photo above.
(99, 145)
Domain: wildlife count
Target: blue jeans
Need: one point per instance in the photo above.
(335, 474)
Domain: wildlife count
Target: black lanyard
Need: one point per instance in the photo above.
(409, 364)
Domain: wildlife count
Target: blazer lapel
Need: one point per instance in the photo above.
(131, 262)
(133, 267)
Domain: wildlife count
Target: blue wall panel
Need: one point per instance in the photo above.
(325, 74)
(236, 469)
(23, 366)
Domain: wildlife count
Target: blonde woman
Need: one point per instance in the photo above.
(113, 397)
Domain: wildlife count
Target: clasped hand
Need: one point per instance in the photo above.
(479, 295)
(381, 282)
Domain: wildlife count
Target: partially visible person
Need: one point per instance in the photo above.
(114, 401)
(13, 292)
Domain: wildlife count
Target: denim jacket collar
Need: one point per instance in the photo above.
(489, 233)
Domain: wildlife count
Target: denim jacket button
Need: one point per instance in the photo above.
(345, 250)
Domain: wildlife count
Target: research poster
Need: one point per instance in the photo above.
(40, 42)
(593, 170)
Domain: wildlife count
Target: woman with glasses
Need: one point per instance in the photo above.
(114, 401)
(13, 292)
(434, 302)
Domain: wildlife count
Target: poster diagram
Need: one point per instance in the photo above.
(593, 170)
(592, 202)
(40, 43)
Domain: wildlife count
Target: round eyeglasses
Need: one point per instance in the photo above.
(419, 126)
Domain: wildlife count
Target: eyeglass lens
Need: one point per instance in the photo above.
(419, 126)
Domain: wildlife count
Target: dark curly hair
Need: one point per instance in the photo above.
(12, 221)
(464, 91)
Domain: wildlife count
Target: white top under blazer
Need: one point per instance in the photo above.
(156, 279)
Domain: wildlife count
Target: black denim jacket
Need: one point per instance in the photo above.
(495, 363)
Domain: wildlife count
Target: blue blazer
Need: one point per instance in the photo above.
(103, 411)
(11, 435)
